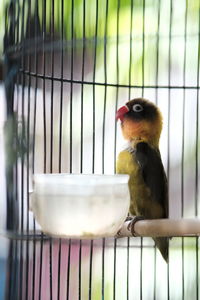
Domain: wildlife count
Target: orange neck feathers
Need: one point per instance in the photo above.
(148, 131)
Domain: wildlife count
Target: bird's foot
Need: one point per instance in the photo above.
(128, 218)
(131, 225)
(132, 220)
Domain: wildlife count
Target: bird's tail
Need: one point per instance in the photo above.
(163, 245)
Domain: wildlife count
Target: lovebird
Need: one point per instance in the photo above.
(141, 124)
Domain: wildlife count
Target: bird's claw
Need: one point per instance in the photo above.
(131, 225)
(128, 218)
(132, 220)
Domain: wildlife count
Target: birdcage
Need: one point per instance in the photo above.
(68, 66)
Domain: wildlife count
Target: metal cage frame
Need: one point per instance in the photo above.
(33, 37)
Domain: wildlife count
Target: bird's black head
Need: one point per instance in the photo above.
(141, 109)
(142, 119)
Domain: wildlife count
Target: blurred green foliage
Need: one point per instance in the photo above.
(134, 38)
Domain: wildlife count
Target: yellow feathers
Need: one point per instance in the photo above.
(141, 198)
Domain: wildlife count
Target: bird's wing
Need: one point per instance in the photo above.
(153, 173)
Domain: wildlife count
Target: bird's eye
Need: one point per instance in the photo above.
(137, 108)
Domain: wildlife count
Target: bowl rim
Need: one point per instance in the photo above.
(80, 179)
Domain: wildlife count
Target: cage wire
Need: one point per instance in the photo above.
(68, 66)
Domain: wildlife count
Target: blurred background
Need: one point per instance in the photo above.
(70, 65)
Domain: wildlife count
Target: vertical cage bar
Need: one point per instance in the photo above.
(61, 86)
(79, 269)
(50, 269)
(71, 83)
(156, 101)
(105, 90)
(169, 112)
(10, 267)
(143, 46)
(14, 251)
(169, 87)
(130, 52)
(157, 49)
(115, 269)
(90, 270)
(115, 139)
(40, 266)
(36, 26)
(44, 7)
(52, 86)
(51, 132)
(117, 81)
(93, 84)
(36, 19)
(21, 268)
(68, 269)
(44, 83)
(82, 88)
(103, 270)
(18, 16)
(129, 96)
(18, 78)
(27, 159)
(59, 267)
(183, 143)
(197, 162)
(143, 81)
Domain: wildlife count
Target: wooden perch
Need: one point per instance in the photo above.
(160, 228)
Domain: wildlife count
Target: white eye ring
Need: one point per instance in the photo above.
(137, 108)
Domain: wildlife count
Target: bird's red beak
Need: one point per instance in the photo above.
(121, 112)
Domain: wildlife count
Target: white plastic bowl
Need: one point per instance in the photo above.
(86, 206)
